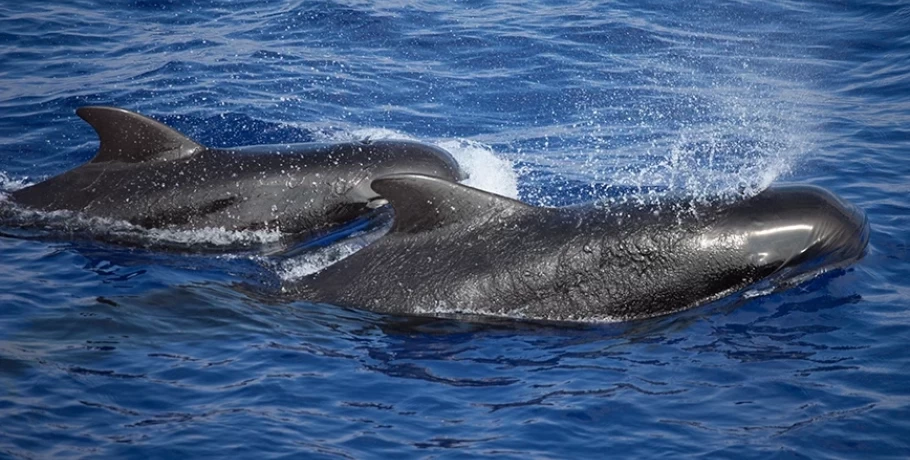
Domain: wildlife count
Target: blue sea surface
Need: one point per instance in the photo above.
(125, 352)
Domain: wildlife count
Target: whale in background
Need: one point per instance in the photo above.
(152, 176)
(458, 250)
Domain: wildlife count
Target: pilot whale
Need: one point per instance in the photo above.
(150, 175)
(453, 249)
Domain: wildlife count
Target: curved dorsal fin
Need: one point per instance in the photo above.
(424, 203)
(132, 138)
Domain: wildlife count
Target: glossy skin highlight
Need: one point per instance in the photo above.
(454, 249)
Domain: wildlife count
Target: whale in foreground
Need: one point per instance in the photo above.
(152, 176)
(453, 249)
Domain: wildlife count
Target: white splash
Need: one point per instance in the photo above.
(8, 184)
(697, 135)
(315, 260)
(214, 236)
(301, 266)
(485, 170)
(738, 154)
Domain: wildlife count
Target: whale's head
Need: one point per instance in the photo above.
(405, 157)
(797, 228)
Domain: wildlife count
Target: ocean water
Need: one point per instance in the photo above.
(124, 352)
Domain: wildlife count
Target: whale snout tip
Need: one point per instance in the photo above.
(848, 234)
(448, 168)
(413, 157)
(807, 227)
(460, 174)
(839, 242)
(842, 229)
(406, 157)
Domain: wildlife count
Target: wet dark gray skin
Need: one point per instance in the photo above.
(456, 249)
(152, 176)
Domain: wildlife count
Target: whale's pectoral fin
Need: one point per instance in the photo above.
(132, 138)
(424, 203)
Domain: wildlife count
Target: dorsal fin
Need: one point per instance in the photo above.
(424, 203)
(132, 138)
